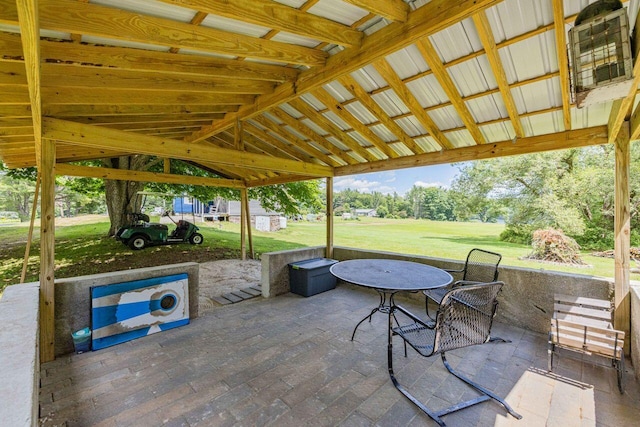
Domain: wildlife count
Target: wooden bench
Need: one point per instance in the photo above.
(584, 325)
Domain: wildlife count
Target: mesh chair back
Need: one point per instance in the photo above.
(465, 316)
(481, 266)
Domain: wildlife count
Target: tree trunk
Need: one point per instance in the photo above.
(121, 195)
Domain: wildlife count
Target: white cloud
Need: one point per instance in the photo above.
(362, 185)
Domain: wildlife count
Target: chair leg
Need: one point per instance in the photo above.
(398, 386)
(486, 394)
(620, 369)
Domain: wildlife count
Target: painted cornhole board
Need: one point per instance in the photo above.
(125, 311)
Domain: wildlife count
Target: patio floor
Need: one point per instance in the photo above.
(288, 361)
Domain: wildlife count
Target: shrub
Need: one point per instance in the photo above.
(517, 234)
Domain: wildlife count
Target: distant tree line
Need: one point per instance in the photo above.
(570, 190)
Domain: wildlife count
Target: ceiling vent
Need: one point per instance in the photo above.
(600, 54)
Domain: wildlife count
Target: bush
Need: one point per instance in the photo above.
(554, 246)
(517, 234)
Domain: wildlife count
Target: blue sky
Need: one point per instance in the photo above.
(399, 181)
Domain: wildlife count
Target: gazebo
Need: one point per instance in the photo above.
(262, 92)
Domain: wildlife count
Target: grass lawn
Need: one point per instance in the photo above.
(82, 248)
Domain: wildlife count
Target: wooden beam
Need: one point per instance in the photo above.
(245, 200)
(95, 56)
(621, 108)
(533, 144)
(313, 136)
(65, 75)
(563, 61)
(243, 225)
(143, 176)
(622, 234)
(336, 132)
(374, 108)
(394, 10)
(333, 105)
(409, 99)
(485, 34)
(280, 179)
(112, 139)
(47, 251)
(90, 19)
(133, 110)
(28, 17)
(281, 147)
(428, 51)
(278, 17)
(304, 146)
(329, 209)
(429, 19)
(102, 96)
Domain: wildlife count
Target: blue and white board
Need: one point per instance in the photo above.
(124, 311)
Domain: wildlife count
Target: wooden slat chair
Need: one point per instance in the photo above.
(584, 325)
(464, 318)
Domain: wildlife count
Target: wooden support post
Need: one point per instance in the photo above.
(622, 233)
(47, 253)
(167, 165)
(329, 251)
(243, 215)
(245, 200)
(34, 209)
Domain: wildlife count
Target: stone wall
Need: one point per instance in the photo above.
(73, 298)
(19, 358)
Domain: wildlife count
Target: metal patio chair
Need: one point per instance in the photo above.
(481, 266)
(464, 318)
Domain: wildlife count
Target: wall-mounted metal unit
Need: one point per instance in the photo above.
(600, 58)
(124, 311)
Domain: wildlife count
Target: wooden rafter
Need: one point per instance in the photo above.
(394, 10)
(433, 59)
(374, 108)
(143, 60)
(302, 145)
(63, 75)
(426, 20)
(311, 134)
(279, 17)
(30, 30)
(332, 104)
(90, 19)
(563, 61)
(621, 109)
(318, 118)
(409, 99)
(491, 50)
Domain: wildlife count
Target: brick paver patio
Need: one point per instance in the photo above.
(288, 361)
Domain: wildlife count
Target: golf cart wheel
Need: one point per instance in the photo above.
(137, 242)
(196, 239)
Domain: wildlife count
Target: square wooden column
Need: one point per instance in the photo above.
(622, 233)
(329, 250)
(47, 252)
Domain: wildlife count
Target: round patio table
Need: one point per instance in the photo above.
(388, 277)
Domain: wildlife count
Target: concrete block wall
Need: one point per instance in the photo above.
(275, 268)
(19, 355)
(526, 299)
(73, 298)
